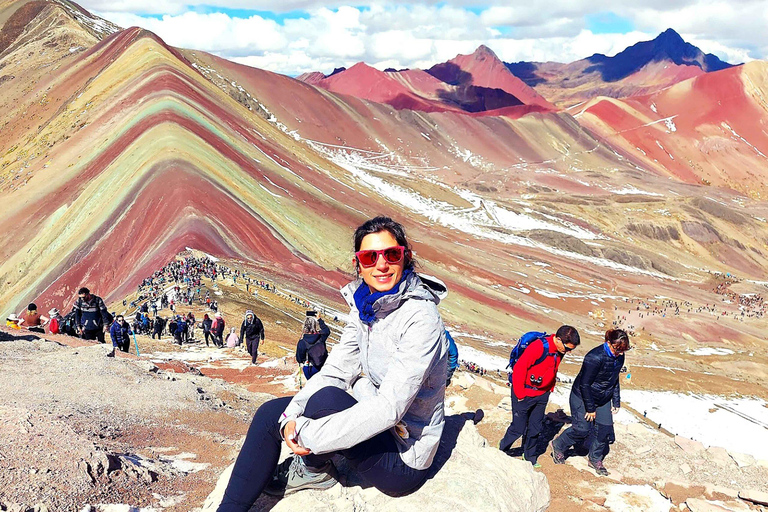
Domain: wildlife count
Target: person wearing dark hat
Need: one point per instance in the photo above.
(252, 331)
(32, 320)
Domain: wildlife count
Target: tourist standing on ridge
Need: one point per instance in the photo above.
(392, 355)
(595, 397)
(191, 325)
(180, 331)
(534, 375)
(217, 329)
(120, 332)
(206, 325)
(91, 315)
(252, 331)
(32, 320)
(311, 348)
(157, 327)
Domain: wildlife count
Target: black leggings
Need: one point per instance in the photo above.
(377, 459)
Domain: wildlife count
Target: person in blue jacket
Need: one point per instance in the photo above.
(595, 397)
(120, 332)
(453, 357)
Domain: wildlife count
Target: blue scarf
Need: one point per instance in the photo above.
(364, 299)
(608, 350)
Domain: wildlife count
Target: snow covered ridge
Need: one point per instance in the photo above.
(98, 25)
(704, 418)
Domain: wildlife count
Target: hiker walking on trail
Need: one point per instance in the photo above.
(252, 332)
(157, 327)
(217, 329)
(91, 315)
(32, 320)
(206, 325)
(180, 331)
(392, 355)
(535, 360)
(120, 332)
(191, 325)
(595, 398)
(311, 348)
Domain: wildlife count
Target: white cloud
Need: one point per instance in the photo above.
(388, 34)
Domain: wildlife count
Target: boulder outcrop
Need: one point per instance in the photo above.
(467, 475)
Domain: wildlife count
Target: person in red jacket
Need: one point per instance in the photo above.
(533, 378)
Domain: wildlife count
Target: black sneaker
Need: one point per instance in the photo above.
(597, 465)
(294, 475)
(557, 456)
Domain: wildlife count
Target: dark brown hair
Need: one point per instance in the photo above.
(382, 223)
(618, 339)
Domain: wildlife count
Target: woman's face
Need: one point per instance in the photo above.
(383, 276)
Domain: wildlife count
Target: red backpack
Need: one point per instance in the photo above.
(54, 326)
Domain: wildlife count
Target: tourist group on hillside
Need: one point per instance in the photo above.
(377, 399)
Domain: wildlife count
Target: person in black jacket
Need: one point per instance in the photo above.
(206, 324)
(595, 397)
(158, 326)
(311, 348)
(252, 331)
(91, 315)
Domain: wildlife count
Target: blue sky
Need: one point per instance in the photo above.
(295, 36)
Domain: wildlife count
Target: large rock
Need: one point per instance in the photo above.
(699, 505)
(466, 475)
(759, 497)
(688, 445)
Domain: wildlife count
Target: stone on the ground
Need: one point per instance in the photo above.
(759, 497)
(699, 505)
(464, 380)
(719, 456)
(643, 449)
(688, 445)
(466, 475)
(685, 468)
(631, 498)
(743, 460)
(711, 489)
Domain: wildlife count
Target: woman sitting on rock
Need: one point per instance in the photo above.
(392, 356)
(595, 397)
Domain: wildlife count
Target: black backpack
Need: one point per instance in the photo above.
(67, 325)
(317, 354)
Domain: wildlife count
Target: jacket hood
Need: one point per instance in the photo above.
(414, 286)
(311, 339)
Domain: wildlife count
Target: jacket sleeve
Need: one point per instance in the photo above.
(340, 370)
(419, 347)
(520, 371)
(261, 330)
(453, 353)
(301, 351)
(104, 311)
(325, 331)
(78, 312)
(617, 390)
(589, 370)
(242, 331)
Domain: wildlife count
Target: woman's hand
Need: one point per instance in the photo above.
(590, 416)
(289, 434)
(614, 410)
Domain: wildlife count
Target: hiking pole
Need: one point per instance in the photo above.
(135, 344)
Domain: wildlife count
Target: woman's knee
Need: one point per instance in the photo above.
(328, 400)
(268, 414)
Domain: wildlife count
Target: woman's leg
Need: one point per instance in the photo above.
(605, 434)
(579, 429)
(258, 458)
(377, 459)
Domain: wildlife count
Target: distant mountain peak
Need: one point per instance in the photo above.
(484, 52)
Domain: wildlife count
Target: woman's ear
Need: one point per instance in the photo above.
(356, 264)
